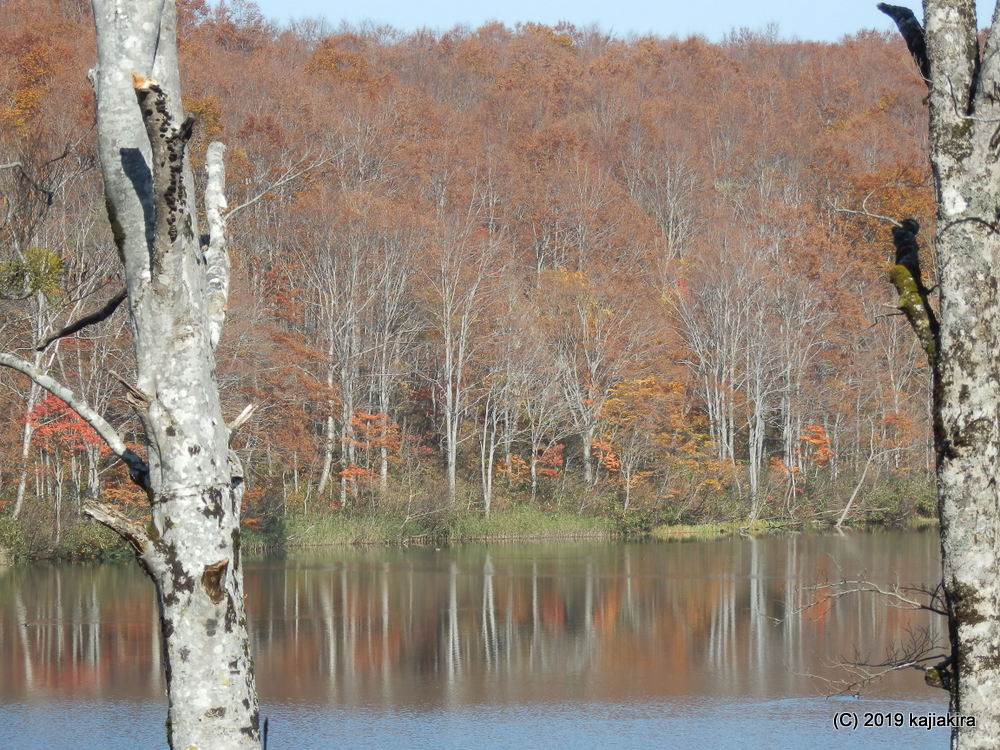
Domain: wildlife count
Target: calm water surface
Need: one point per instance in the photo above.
(584, 645)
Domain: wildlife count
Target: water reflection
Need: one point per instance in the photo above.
(421, 628)
(82, 631)
(579, 622)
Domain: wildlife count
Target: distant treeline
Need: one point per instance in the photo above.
(537, 265)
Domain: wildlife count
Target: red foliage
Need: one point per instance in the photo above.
(57, 425)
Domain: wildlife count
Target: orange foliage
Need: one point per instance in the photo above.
(551, 461)
(821, 452)
(516, 471)
(58, 426)
(604, 452)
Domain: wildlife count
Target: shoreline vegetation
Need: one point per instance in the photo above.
(31, 539)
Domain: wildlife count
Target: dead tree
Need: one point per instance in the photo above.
(177, 284)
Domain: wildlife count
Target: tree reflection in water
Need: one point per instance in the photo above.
(422, 629)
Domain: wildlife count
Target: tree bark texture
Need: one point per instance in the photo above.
(964, 147)
(177, 288)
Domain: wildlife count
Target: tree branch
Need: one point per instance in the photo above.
(244, 415)
(133, 396)
(864, 206)
(118, 522)
(900, 597)
(95, 317)
(49, 195)
(168, 142)
(292, 173)
(913, 34)
(869, 214)
(907, 278)
(136, 466)
(919, 652)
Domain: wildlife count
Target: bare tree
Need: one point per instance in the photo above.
(596, 340)
(392, 328)
(343, 283)
(458, 291)
(177, 284)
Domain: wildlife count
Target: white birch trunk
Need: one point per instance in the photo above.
(331, 435)
(34, 396)
(26, 434)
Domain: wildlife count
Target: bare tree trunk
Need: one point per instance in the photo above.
(487, 450)
(457, 278)
(26, 434)
(34, 395)
(345, 447)
(587, 438)
(534, 473)
(177, 292)
(857, 488)
(451, 454)
(57, 493)
(331, 438)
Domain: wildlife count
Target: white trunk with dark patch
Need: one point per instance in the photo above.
(177, 291)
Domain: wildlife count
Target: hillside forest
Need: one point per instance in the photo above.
(639, 278)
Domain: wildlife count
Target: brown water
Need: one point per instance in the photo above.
(603, 645)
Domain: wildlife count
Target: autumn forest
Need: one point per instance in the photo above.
(642, 279)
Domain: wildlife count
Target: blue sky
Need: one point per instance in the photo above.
(826, 20)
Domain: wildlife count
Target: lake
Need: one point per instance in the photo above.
(549, 645)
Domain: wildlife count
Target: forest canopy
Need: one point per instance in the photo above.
(486, 266)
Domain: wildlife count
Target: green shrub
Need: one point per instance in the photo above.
(346, 527)
(899, 501)
(526, 522)
(84, 538)
(32, 536)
